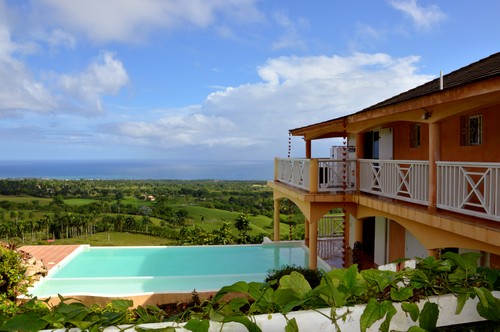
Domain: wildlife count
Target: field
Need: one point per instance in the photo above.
(117, 239)
(86, 211)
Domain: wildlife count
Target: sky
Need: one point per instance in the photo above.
(214, 79)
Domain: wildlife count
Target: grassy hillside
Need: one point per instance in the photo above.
(118, 239)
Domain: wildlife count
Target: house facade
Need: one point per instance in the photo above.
(416, 175)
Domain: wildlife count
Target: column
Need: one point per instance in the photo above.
(360, 154)
(433, 252)
(308, 149)
(276, 220)
(434, 155)
(313, 245)
(306, 232)
(313, 176)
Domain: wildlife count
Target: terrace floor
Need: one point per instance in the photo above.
(50, 255)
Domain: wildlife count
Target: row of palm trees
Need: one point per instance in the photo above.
(27, 227)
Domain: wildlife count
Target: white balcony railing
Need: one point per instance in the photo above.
(294, 172)
(332, 175)
(469, 188)
(336, 175)
(399, 179)
(463, 187)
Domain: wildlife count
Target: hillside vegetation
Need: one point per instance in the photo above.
(162, 212)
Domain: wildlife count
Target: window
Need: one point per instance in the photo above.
(414, 135)
(471, 130)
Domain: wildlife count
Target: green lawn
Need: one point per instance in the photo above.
(79, 201)
(118, 239)
(25, 199)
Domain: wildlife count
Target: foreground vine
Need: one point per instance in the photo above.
(379, 290)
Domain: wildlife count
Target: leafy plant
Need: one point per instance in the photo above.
(12, 279)
(287, 292)
(312, 276)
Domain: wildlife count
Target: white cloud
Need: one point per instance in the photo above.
(424, 18)
(291, 37)
(295, 91)
(126, 20)
(19, 90)
(105, 75)
(59, 37)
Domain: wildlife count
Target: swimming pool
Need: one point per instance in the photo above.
(126, 271)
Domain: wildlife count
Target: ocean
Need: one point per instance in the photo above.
(138, 170)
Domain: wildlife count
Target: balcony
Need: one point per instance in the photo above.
(317, 175)
(462, 187)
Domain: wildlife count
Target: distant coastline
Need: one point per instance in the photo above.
(138, 169)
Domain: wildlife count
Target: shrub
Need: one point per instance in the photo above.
(313, 277)
(12, 279)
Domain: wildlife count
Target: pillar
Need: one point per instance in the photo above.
(314, 176)
(358, 231)
(276, 220)
(433, 252)
(434, 155)
(313, 245)
(306, 232)
(360, 154)
(308, 149)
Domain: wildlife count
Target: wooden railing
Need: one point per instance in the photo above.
(469, 188)
(405, 180)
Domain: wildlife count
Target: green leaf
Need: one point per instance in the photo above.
(391, 311)
(286, 299)
(375, 311)
(121, 304)
(238, 302)
(461, 300)
(244, 320)
(263, 303)
(488, 306)
(401, 294)
(329, 290)
(112, 318)
(216, 316)
(291, 326)
(238, 287)
(412, 309)
(197, 325)
(419, 279)
(378, 277)
(416, 329)
(467, 261)
(429, 316)
(297, 282)
(29, 321)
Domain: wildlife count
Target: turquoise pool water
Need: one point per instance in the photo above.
(112, 271)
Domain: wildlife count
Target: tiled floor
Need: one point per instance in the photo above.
(50, 255)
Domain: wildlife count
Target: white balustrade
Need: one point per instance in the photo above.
(469, 188)
(294, 172)
(405, 180)
(336, 175)
(463, 187)
(333, 175)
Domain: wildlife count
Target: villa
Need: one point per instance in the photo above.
(416, 175)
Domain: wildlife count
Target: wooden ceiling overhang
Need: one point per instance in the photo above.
(437, 106)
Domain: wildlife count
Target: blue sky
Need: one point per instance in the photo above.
(214, 79)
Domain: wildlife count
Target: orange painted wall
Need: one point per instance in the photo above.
(489, 151)
(401, 136)
(396, 241)
(451, 150)
(494, 261)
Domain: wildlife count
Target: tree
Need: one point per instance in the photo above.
(243, 226)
